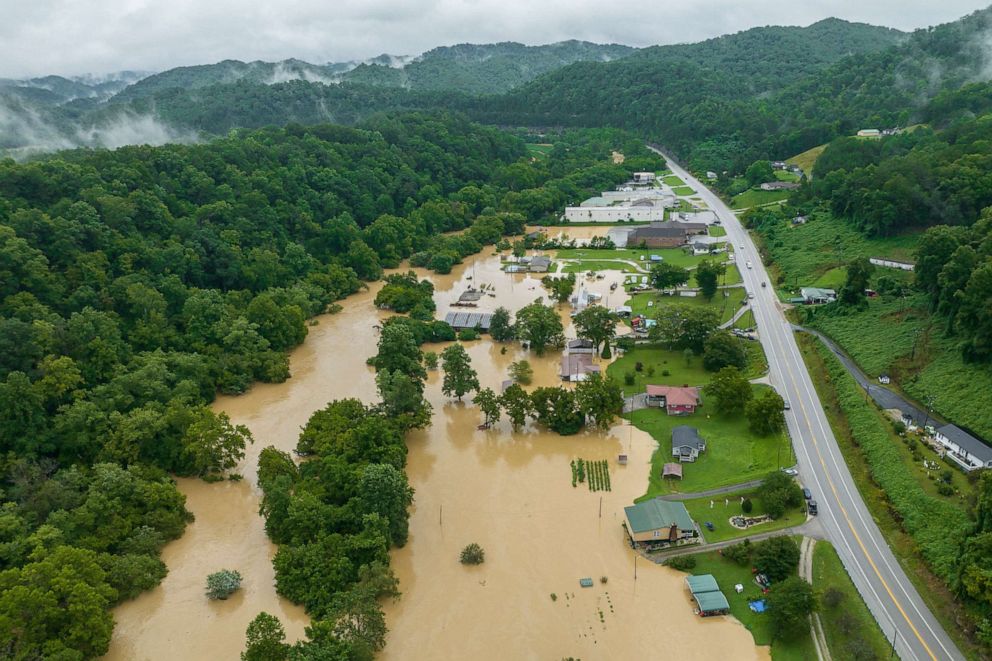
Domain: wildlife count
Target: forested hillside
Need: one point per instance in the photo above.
(470, 68)
(712, 119)
(486, 68)
(137, 283)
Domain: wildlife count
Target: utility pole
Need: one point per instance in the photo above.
(929, 411)
(601, 507)
(895, 637)
(440, 511)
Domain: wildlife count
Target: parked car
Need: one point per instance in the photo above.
(811, 508)
(806, 494)
(790, 471)
(785, 404)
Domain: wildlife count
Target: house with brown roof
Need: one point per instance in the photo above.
(675, 400)
(577, 366)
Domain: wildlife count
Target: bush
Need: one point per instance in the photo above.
(473, 555)
(739, 553)
(638, 366)
(222, 584)
(665, 373)
(789, 605)
(682, 562)
(430, 360)
(747, 506)
(779, 492)
(628, 378)
(832, 597)
(468, 334)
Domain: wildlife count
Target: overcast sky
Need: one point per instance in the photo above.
(96, 36)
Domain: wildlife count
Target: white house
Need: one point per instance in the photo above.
(643, 177)
(964, 449)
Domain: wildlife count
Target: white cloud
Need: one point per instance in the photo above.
(70, 37)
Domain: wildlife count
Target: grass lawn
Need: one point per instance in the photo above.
(656, 361)
(756, 197)
(683, 191)
(807, 159)
(728, 574)
(733, 454)
(726, 302)
(746, 320)
(731, 277)
(850, 620)
(785, 175)
(832, 279)
(672, 180)
(757, 363)
(880, 339)
(717, 230)
(539, 150)
(720, 514)
(584, 265)
(804, 253)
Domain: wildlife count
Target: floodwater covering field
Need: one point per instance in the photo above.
(509, 492)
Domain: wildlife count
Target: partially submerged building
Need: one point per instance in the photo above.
(707, 594)
(658, 522)
(577, 366)
(462, 320)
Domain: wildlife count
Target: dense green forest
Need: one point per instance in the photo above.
(135, 284)
(723, 118)
(684, 95)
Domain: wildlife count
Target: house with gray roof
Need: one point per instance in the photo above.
(964, 449)
(687, 443)
(540, 264)
(462, 320)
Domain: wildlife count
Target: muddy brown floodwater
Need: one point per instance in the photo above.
(509, 492)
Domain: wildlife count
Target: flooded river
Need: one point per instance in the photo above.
(511, 493)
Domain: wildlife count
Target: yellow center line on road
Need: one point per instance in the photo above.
(816, 446)
(847, 518)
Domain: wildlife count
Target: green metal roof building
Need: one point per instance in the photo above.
(711, 603)
(709, 598)
(702, 583)
(658, 521)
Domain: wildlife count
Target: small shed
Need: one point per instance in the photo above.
(622, 459)
(672, 469)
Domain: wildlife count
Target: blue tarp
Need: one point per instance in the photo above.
(757, 606)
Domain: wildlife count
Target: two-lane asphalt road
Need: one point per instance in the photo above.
(890, 596)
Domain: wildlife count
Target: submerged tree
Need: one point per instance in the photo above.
(222, 584)
(473, 554)
(488, 403)
(459, 377)
(540, 326)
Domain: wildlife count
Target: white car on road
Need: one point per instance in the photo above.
(749, 264)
